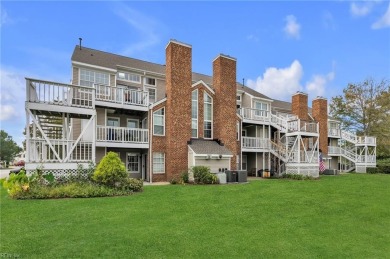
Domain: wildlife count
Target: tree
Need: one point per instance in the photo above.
(364, 108)
(8, 148)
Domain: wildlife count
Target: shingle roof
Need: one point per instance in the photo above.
(200, 146)
(112, 61)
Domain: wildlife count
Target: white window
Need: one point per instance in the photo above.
(113, 122)
(129, 77)
(89, 77)
(208, 116)
(238, 130)
(132, 163)
(159, 122)
(261, 109)
(244, 133)
(152, 94)
(238, 98)
(194, 114)
(158, 163)
(132, 123)
(244, 163)
(150, 81)
(261, 106)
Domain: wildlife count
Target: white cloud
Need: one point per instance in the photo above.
(282, 83)
(7, 112)
(12, 95)
(328, 20)
(147, 27)
(384, 21)
(252, 37)
(279, 83)
(316, 86)
(361, 9)
(4, 17)
(292, 28)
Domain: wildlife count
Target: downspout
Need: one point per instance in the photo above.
(150, 144)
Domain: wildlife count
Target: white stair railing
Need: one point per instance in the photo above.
(348, 136)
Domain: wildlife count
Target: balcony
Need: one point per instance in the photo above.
(108, 136)
(334, 133)
(58, 97)
(255, 144)
(254, 115)
(121, 98)
(300, 126)
(58, 151)
(371, 141)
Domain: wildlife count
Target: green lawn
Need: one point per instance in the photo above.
(336, 216)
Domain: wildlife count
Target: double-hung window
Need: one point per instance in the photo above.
(194, 114)
(129, 77)
(158, 163)
(150, 81)
(208, 116)
(261, 109)
(159, 122)
(152, 94)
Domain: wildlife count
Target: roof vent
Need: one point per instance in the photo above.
(80, 39)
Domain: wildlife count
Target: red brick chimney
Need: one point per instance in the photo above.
(320, 114)
(225, 112)
(178, 106)
(299, 105)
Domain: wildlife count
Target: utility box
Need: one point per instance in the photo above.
(242, 176)
(221, 177)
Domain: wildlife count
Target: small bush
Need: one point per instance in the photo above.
(110, 171)
(202, 175)
(380, 169)
(297, 177)
(184, 177)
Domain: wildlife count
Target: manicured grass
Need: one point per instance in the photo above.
(345, 216)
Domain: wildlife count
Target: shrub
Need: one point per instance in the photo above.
(110, 171)
(184, 177)
(380, 169)
(131, 184)
(202, 175)
(297, 177)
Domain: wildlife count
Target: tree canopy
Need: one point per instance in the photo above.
(8, 148)
(364, 108)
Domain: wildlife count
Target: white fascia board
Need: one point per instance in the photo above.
(157, 103)
(205, 155)
(92, 66)
(205, 85)
(141, 71)
(334, 120)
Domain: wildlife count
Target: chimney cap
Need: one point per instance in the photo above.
(300, 93)
(224, 56)
(320, 98)
(179, 43)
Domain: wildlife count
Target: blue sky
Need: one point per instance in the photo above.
(281, 47)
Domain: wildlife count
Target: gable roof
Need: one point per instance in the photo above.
(112, 61)
(209, 147)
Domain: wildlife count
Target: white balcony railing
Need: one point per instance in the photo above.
(122, 135)
(254, 114)
(121, 96)
(46, 92)
(366, 140)
(302, 126)
(348, 136)
(279, 122)
(255, 143)
(336, 133)
(40, 151)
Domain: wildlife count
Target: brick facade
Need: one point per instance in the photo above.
(320, 114)
(178, 107)
(225, 111)
(299, 106)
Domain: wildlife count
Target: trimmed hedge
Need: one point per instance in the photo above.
(380, 169)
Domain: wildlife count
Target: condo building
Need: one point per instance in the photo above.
(163, 119)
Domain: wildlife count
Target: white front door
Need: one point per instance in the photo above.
(133, 163)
